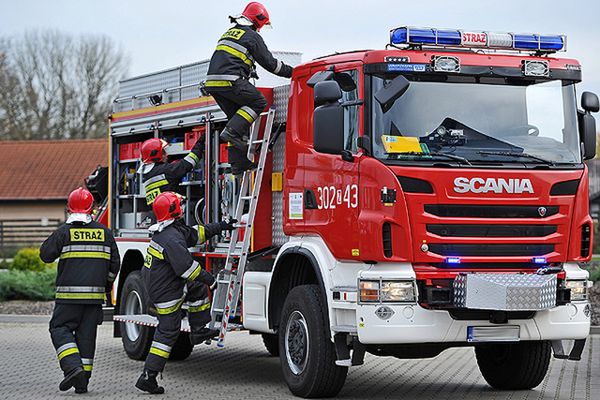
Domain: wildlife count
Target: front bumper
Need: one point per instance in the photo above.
(412, 323)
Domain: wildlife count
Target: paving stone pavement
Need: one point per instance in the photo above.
(243, 370)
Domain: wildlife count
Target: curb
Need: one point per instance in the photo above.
(595, 330)
(24, 319)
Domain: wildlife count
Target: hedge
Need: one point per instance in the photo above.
(27, 285)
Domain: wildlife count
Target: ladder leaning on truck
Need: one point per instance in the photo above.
(427, 196)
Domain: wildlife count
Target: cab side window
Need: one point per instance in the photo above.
(351, 115)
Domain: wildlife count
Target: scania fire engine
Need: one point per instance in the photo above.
(426, 196)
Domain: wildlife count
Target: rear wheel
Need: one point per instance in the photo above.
(271, 343)
(134, 300)
(306, 351)
(514, 366)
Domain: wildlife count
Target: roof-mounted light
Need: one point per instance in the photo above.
(477, 39)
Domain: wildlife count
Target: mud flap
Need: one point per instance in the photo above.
(342, 350)
(575, 354)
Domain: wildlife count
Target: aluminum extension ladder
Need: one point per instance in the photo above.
(229, 280)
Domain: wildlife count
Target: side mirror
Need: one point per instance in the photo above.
(587, 133)
(327, 92)
(589, 102)
(328, 119)
(587, 124)
(387, 95)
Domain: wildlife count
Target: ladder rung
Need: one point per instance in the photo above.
(246, 197)
(259, 141)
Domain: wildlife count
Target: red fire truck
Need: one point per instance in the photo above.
(426, 196)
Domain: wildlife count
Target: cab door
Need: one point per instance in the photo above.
(331, 191)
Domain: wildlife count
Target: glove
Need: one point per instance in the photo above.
(206, 278)
(227, 225)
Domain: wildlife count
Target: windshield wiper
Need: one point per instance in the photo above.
(515, 154)
(436, 154)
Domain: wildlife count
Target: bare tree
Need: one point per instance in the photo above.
(56, 85)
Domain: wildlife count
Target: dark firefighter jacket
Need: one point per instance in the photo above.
(165, 177)
(237, 51)
(169, 264)
(88, 261)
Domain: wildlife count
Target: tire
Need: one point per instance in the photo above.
(514, 366)
(134, 300)
(182, 347)
(306, 351)
(271, 343)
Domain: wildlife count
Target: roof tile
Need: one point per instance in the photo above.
(47, 169)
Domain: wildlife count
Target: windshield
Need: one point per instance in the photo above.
(479, 123)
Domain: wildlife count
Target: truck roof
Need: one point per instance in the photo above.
(467, 57)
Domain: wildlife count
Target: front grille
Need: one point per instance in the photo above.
(490, 250)
(456, 230)
(490, 211)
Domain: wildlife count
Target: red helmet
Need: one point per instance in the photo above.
(167, 205)
(257, 14)
(153, 150)
(80, 201)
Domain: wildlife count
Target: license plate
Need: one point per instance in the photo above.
(506, 333)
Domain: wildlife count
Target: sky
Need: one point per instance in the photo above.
(158, 34)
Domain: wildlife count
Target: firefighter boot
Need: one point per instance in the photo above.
(203, 334)
(147, 382)
(82, 387)
(74, 378)
(239, 162)
(236, 140)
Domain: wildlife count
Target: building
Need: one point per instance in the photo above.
(35, 180)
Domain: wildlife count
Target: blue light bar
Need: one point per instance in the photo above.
(477, 39)
(453, 260)
(539, 260)
(538, 42)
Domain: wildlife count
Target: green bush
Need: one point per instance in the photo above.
(27, 285)
(28, 259)
(595, 275)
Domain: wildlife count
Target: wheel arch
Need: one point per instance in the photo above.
(133, 260)
(295, 266)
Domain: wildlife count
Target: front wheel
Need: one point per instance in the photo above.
(134, 300)
(514, 366)
(306, 351)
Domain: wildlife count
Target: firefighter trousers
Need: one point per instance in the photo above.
(73, 329)
(169, 316)
(242, 103)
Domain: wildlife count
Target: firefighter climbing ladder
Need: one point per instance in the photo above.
(229, 281)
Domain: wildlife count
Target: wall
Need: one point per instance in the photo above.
(32, 209)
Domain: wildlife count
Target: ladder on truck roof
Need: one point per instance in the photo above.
(229, 281)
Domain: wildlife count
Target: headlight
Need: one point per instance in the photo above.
(387, 291)
(397, 292)
(579, 290)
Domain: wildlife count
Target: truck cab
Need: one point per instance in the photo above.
(435, 193)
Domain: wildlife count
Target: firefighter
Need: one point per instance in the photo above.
(88, 264)
(231, 65)
(173, 277)
(159, 176)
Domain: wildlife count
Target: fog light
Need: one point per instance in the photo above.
(369, 291)
(579, 289)
(397, 291)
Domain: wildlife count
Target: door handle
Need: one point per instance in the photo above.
(310, 200)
